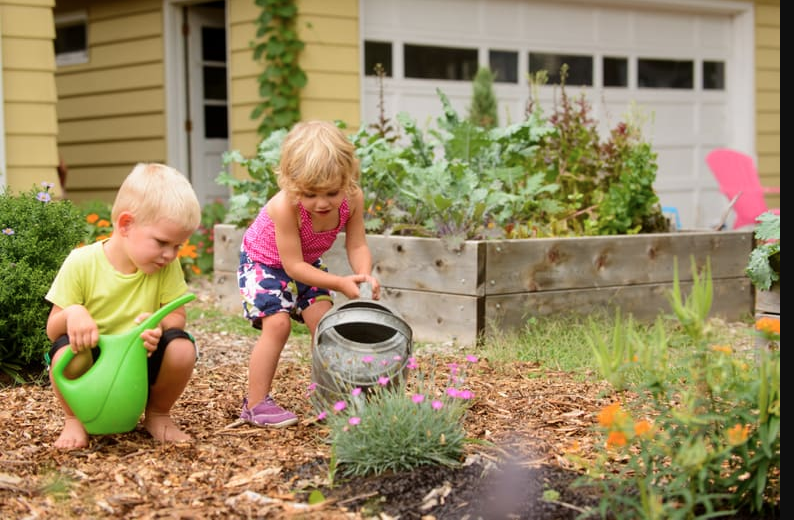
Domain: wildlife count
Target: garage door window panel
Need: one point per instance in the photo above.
(675, 74)
(580, 67)
(377, 52)
(428, 62)
(713, 75)
(504, 65)
(616, 71)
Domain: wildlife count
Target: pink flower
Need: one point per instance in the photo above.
(472, 358)
(383, 380)
(367, 359)
(340, 405)
(437, 405)
(356, 391)
(417, 398)
(465, 394)
(412, 363)
(322, 415)
(452, 392)
(354, 421)
(453, 368)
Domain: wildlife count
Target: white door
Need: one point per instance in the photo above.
(207, 91)
(687, 68)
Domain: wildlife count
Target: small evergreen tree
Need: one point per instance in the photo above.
(482, 111)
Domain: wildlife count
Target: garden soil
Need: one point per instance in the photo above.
(534, 424)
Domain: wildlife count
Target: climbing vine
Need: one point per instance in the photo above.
(278, 47)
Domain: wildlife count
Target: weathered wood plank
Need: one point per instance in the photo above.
(435, 317)
(732, 300)
(516, 266)
(457, 297)
(415, 263)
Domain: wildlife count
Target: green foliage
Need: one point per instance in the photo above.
(763, 266)
(250, 194)
(400, 425)
(482, 111)
(282, 79)
(700, 443)
(460, 181)
(36, 234)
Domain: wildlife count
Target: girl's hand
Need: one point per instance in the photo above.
(350, 286)
(150, 337)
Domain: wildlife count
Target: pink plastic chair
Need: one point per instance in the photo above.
(738, 178)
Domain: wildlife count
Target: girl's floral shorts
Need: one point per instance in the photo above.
(267, 290)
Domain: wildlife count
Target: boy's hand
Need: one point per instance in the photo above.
(150, 337)
(81, 328)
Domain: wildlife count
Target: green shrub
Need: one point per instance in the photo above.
(36, 234)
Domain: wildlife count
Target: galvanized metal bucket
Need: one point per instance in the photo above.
(355, 345)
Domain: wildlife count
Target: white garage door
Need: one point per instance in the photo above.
(687, 66)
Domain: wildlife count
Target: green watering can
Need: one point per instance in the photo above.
(111, 395)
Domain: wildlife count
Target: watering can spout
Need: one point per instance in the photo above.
(111, 395)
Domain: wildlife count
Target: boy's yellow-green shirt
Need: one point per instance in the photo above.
(113, 299)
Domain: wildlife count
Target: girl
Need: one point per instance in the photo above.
(281, 274)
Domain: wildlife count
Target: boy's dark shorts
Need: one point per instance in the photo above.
(153, 362)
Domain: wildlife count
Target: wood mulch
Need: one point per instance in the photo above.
(532, 418)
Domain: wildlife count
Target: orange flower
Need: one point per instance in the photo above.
(722, 348)
(187, 250)
(768, 325)
(93, 217)
(642, 427)
(737, 434)
(616, 439)
(101, 238)
(195, 269)
(608, 415)
(103, 223)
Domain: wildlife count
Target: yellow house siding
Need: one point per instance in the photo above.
(112, 109)
(767, 56)
(29, 95)
(330, 59)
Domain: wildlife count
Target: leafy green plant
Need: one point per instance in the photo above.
(482, 111)
(700, 443)
(399, 423)
(460, 181)
(251, 193)
(283, 78)
(763, 266)
(36, 234)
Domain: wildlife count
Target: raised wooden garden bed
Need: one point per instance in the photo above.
(448, 296)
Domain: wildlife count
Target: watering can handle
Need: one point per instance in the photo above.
(365, 290)
(148, 323)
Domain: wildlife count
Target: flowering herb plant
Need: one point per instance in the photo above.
(399, 423)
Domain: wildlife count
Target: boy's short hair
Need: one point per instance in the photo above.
(317, 156)
(154, 192)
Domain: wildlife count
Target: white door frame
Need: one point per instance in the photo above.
(176, 106)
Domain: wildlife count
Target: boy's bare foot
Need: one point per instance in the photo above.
(73, 436)
(162, 428)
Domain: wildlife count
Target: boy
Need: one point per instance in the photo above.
(110, 286)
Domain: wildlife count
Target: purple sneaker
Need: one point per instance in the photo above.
(267, 413)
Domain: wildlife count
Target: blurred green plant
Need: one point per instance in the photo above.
(763, 266)
(36, 234)
(698, 444)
